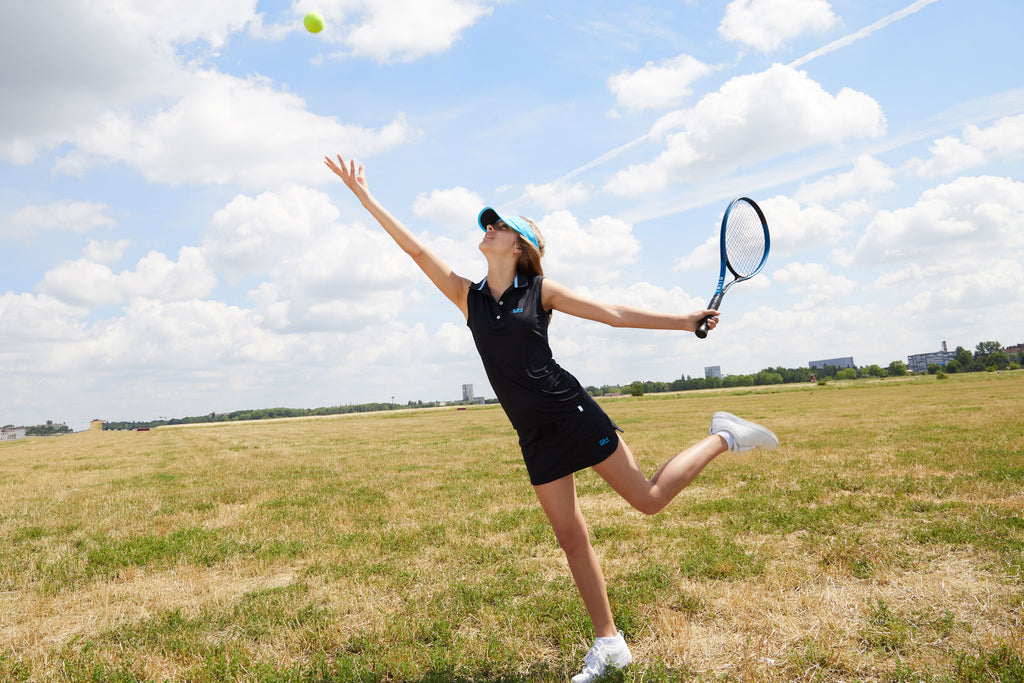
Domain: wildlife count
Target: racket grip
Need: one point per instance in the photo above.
(702, 328)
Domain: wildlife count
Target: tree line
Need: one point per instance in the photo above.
(988, 356)
(272, 413)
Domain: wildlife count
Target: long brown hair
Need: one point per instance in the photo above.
(529, 258)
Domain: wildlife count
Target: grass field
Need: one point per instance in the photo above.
(882, 541)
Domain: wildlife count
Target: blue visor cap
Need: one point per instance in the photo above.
(490, 217)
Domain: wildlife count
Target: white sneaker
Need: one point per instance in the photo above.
(607, 652)
(746, 434)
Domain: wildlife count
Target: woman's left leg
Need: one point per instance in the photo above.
(558, 498)
(649, 496)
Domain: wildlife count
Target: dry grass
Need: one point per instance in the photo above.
(882, 541)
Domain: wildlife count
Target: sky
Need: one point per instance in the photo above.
(173, 244)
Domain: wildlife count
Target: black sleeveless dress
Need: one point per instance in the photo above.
(561, 428)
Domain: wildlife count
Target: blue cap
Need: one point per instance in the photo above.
(489, 217)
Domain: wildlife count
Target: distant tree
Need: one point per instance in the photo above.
(933, 368)
(767, 377)
(635, 389)
(964, 357)
(846, 373)
(953, 366)
(983, 351)
(998, 359)
(897, 368)
(875, 371)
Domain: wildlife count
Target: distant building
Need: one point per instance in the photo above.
(711, 371)
(12, 433)
(1017, 350)
(919, 362)
(845, 362)
(96, 424)
(467, 392)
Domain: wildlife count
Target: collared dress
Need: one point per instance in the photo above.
(561, 428)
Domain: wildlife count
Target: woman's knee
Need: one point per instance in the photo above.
(650, 504)
(572, 538)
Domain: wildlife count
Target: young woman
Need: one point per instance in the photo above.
(561, 428)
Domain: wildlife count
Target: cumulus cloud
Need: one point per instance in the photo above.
(766, 25)
(314, 272)
(227, 130)
(793, 228)
(593, 253)
(395, 30)
(750, 119)
(656, 86)
(869, 176)
(107, 251)
(88, 58)
(87, 283)
(814, 283)
(965, 217)
(109, 79)
(454, 209)
(76, 217)
(1003, 140)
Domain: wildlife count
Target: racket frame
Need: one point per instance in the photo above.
(720, 290)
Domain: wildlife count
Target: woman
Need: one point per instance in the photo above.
(561, 429)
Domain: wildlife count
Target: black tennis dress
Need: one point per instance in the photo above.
(561, 428)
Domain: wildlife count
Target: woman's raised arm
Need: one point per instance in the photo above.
(453, 286)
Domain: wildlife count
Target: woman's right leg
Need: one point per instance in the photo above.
(558, 498)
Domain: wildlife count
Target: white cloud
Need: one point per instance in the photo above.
(76, 217)
(792, 227)
(395, 30)
(592, 254)
(108, 251)
(750, 119)
(869, 176)
(315, 272)
(251, 234)
(766, 25)
(657, 86)
(814, 283)
(30, 319)
(454, 209)
(969, 216)
(228, 130)
(1004, 141)
(88, 58)
(85, 283)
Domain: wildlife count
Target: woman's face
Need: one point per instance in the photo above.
(499, 239)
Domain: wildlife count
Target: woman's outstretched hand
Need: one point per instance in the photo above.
(354, 179)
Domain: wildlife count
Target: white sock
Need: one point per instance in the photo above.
(729, 441)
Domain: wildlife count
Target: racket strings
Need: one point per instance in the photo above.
(744, 239)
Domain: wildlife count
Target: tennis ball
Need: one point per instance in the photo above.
(313, 22)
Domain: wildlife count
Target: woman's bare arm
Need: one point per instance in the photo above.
(558, 297)
(453, 286)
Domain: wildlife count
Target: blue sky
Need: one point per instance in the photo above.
(173, 244)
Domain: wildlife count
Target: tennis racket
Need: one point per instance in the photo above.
(744, 247)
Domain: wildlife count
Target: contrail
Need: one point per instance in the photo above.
(831, 47)
(863, 33)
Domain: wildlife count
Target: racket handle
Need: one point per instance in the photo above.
(702, 328)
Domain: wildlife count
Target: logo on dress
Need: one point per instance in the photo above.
(517, 310)
(604, 441)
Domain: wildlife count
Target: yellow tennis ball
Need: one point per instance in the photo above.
(313, 22)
